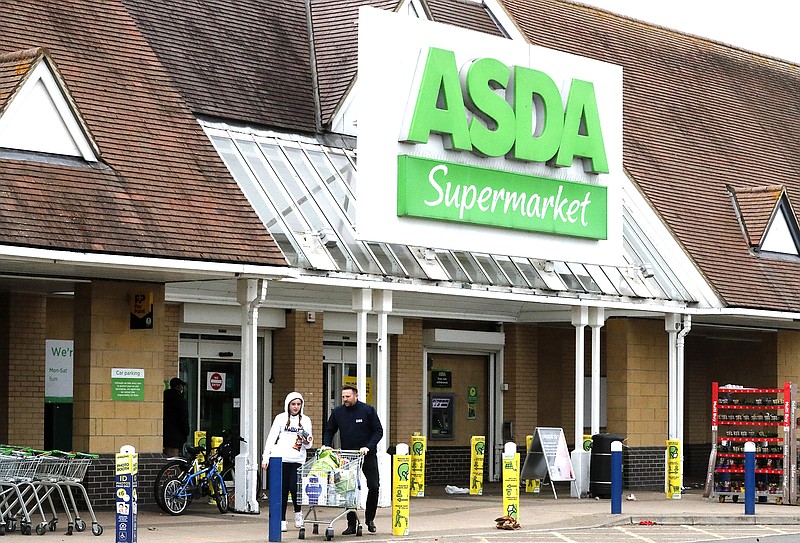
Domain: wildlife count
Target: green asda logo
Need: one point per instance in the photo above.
(505, 127)
(532, 123)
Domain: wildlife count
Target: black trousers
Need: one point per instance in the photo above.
(370, 469)
(289, 485)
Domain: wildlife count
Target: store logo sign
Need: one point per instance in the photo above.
(493, 110)
(504, 125)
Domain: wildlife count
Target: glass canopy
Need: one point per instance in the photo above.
(303, 189)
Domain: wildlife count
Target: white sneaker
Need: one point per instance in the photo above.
(283, 526)
(298, 520)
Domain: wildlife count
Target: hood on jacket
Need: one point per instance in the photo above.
(294, 396)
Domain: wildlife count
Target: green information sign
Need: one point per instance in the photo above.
(448, 191)
(127, 384)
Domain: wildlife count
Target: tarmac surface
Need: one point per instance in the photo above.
(441, 517)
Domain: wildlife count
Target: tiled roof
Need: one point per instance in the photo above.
(756, 206)
(467, 14)
(247, 60)
(13, 69)
(698, 115)
(335, 24)
(161, 189)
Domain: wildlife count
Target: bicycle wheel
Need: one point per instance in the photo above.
(172, 469)
(174, 501)
(220, 494)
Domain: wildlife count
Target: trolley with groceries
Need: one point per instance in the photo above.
(330, 480)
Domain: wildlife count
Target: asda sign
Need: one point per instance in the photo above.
(526, 123)
(500, 126)
(472, 142)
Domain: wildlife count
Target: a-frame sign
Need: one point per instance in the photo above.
(548, 457)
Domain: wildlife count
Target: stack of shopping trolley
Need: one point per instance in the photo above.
(33, 483)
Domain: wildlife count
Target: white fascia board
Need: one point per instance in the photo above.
(130, 263)
(511, 295)
(669, 248)
(740, 312)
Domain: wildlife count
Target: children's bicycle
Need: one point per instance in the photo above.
(180, 467)
(177, 492)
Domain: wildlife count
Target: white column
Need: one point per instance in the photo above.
(382, 304)
(250, 294)
(596, 321)
(687, 326)
(580, 318)
(672, 324)
(580, 458)
(362, 305)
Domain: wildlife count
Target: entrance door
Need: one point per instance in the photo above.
(220, 396)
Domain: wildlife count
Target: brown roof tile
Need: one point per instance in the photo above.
(698, 115)
(467, 14)
(246, 60)
(161, 189)
(756, 206)
(335, 24)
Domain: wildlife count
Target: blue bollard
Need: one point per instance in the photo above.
(616, 478)
(275, 489)
(749, 478)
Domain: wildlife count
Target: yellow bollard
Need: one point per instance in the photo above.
(511, 481)
(476, 477)
(673, 469)
(418, 448)
(401, 484)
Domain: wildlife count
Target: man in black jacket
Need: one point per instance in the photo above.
(359, 429)
(176, 417)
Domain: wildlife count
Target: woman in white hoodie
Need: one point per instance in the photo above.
(289, 438)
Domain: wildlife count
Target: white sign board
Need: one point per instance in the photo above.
(58, 362)
(548, 455)
(393, 49)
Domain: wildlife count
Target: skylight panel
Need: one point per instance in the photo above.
(386, 259)
(511, 271)
(408, 261)
(492, 269)
(334, 182)
(472, 268)
(452, 266)
(531, 276)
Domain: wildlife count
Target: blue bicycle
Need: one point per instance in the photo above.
(177, 492)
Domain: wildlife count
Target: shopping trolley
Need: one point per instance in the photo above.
(62, 473)
(18, 491)
(331, 479)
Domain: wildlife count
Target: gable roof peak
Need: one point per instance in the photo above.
(34, 100)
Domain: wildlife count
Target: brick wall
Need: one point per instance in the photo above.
(450, 466)
(100, 478)
(637, 387)
(406, 366)
(172, 323)
(643, 467)
(104, 340)
(788, 357)
(297, 359)
(520, 371)
(23, 320)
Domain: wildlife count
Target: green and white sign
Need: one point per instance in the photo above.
(127, 384)
(472, 142)
(435, 189)
(58, 363)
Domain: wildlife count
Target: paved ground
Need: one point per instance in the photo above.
(444, 518)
